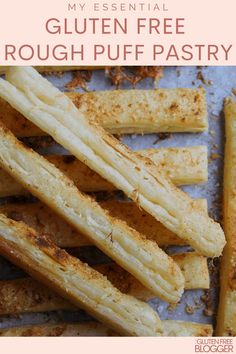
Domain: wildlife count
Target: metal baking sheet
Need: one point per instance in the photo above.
(219, 83)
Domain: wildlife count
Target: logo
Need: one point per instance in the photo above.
(214, 345)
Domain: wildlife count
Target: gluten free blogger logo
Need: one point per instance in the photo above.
(214, 345)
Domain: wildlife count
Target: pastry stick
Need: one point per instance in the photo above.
(93, 329)
(44, 220)
(141, 257)
(75, 281)
(183, 165)
(145, 111)
(136, 176)
(27, 295)
(128, 111)
(226, 322)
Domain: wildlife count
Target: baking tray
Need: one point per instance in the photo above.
(219, 83)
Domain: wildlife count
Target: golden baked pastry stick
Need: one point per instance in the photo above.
(27, 295)
(51, 110)
(183, 165)
(128, 111)
(141, 257)
(145, 111)
(226, 321)
(44, 220)
(94, 329)
(74, 280)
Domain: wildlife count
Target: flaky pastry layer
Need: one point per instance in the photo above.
(43, 219)
(74, 280)
(128, 111)
(27, 295)
(141, 257)
(146, 111)
(182, 165)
